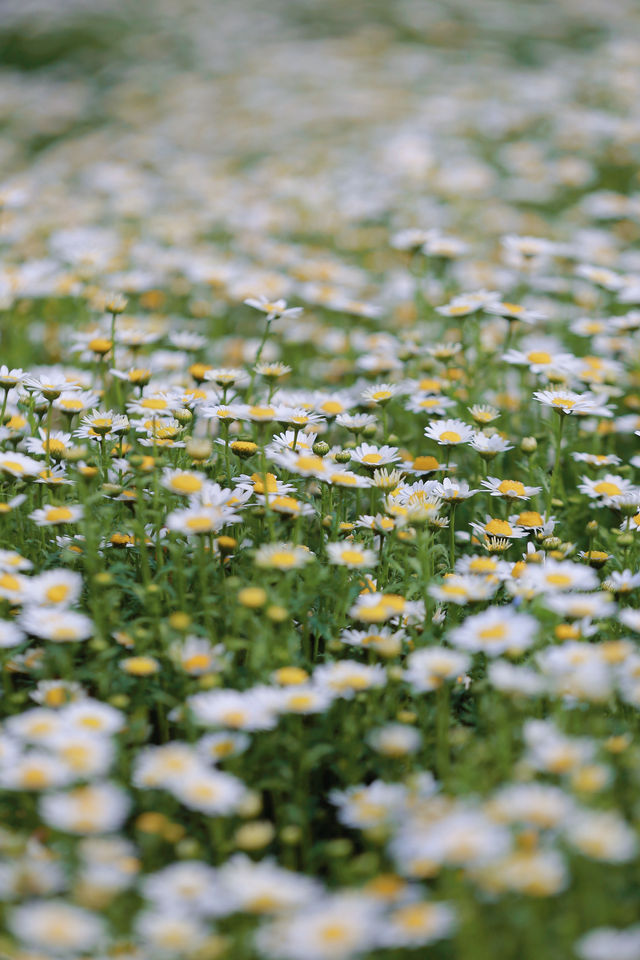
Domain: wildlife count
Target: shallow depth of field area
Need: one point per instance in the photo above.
(319, 480)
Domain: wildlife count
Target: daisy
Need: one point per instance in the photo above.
(346, 678)
(216, 747)
(273, 308)
(449, 432)
(55, 588)
(18, 465)
(57, 927)
(462, 590)
(352, 555)
(578, 605)
(304, 699)
(210, 791)
(452, 490)
(59, 626)
(568, 402)
(604, 489)
(483, 413)
(102, 424)
(55, 515)
(50, 385)
(282, 556)
(252, 709)
(10, 634)
(200, 520)
(380, 393)
(432, 404)
(185, 483)
(513, 311)
(98, 808)
(356, 422)
(597, 459)
(383, 640)
(427, 669)
(10, 377)
(72, 402)
(196, 656)
(494, 527)
(372, 457)
(496, 631)
(489, 447)
(509, 489)
(332, 405)
(556, 576)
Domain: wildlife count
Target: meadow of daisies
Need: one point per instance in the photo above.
(319, 481)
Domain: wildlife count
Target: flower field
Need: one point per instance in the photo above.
(319, 480)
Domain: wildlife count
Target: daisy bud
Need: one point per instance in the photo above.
(251, 805)
(551, 543)
(340, 847)
(252, 597)
(73, 454)
(198, 449)
(291, 835)
(116, 303)
(529, 445)
(370, 430)
(183, 415)
(242, 448)
(254, 836)
(276, 613)
(179, 620)
(320, 448)
(188, 849)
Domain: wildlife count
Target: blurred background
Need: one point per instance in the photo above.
(207, 141)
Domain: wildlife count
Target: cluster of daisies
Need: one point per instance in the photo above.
(320, 483)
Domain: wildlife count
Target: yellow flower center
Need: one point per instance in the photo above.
(57, 594)
(34, 779)
(345, 479)
(289, 504)
(59, 514)
(332, 406)
(300, 701)
(140, 666)
(100, 345)
(283, 558)
(425, 463)
(497, 632)
(262, 413)
(529, 518)
(607, 488)
(558, 579)
(186, 483)
(482, 565)
(512, 488)
(450, 436)
(499, 528)
(352, 557)
(309, 463)
(199, 524)
(199, 661)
